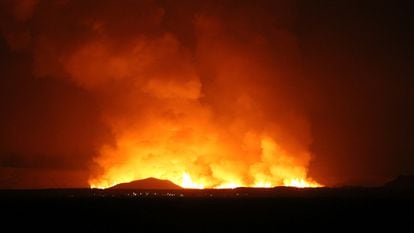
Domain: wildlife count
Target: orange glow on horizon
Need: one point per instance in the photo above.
(187, 183)
(287, 174)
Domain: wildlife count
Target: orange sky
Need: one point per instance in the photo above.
(227, 93)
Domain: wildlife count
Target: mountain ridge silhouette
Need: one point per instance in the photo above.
(147, 183)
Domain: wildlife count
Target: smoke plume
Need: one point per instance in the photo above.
(201, 94)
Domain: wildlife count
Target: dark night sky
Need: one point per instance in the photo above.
(359, 57)
(355, 85)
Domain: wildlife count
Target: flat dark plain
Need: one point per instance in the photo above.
(232, 210)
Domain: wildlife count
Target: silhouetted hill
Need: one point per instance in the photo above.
(149, 183)
(402, 182)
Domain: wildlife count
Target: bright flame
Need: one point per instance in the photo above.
(263, 185)
(300, 183)
(229, 185)
(188, 182)
(273, 168)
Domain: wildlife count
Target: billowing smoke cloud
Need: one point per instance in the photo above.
(202, 94)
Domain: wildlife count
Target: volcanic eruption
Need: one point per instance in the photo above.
(202, 117)
(199, 95)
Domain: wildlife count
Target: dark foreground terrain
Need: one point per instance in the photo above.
(234, 210)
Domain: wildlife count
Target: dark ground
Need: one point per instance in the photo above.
(237, 210)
